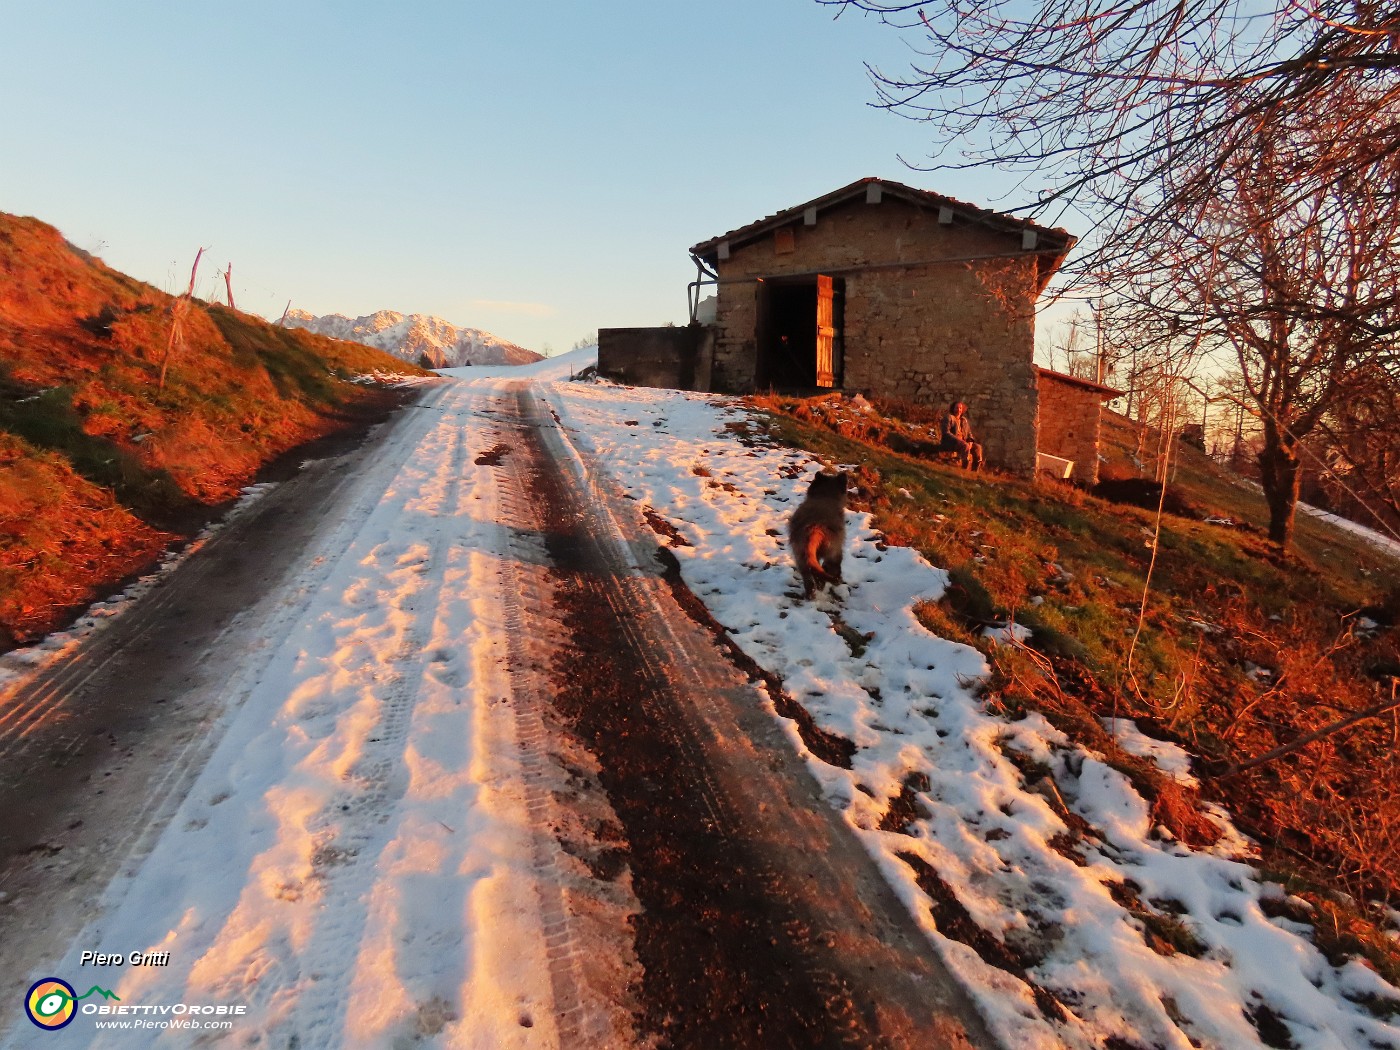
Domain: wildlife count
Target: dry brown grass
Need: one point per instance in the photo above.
(61, 538)
(1239, 652)
(99, 469)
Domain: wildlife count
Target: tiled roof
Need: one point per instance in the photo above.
(1053, 244)
(1058, 240)
(1106, 392)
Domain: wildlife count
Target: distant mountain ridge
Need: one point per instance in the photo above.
(417, 338)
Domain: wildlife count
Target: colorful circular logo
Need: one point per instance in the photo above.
(50, 1003)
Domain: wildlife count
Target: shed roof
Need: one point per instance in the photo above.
(1052, 244)
(1107, 393)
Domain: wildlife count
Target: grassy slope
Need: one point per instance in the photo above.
(1221, 606)
(98, 470)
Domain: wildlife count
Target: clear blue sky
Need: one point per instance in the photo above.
(537, 170)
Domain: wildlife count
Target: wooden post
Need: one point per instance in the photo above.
(189, 293)
(228, 283)
(177, 316)
(282, 321)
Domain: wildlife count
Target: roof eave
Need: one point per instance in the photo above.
(1050, 264)
(1107, 393)
(708, 251)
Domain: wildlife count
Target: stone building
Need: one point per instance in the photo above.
(889, 290)
(1069, 420)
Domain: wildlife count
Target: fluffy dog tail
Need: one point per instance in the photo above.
(817, 538)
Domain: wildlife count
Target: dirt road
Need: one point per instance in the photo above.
(424, 750)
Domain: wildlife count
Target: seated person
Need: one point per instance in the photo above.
(957, 437)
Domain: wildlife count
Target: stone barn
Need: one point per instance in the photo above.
(1069, 419)
(892, 291)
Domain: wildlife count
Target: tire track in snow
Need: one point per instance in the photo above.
(365, 492)
(182, 770)
(246, 647)
(523, 601)
(312, 874)
(764, 920)
(31, 704)
(352, 829)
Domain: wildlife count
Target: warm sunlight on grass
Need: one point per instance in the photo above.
(1239, 653)
(99, 469)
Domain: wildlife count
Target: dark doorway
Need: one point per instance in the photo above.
(799, 333)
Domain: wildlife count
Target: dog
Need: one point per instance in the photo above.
(817, 532)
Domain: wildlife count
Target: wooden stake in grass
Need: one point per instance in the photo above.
(177, 319)
(228, 283)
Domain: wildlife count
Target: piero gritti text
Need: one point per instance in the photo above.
(129, 959)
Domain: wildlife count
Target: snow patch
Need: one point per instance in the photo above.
(865, 668)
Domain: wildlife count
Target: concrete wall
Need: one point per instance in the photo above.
(1070, 418)
(925, 333)
(678, 358)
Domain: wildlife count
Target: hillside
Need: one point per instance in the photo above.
(99, 469)
(417, 338)
(1237, 653)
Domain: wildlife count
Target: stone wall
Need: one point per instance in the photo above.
(662, 357)
(735, 368)
(1070, 417)
(938, 327)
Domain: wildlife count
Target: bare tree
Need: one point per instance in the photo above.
(1101, 102)
(1298, 289)
(1233, 430)
(1362, 452)
(1067, 348)
(1142, 354)
(1241, 164)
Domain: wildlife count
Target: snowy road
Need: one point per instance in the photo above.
(512, 729)
(466, 775)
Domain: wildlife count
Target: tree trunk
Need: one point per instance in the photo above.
(1279, 474)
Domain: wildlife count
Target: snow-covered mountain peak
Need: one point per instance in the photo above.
(420, 338)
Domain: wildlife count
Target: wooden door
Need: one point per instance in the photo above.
(826, 332)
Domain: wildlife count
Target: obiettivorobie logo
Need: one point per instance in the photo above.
(51, 1003)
